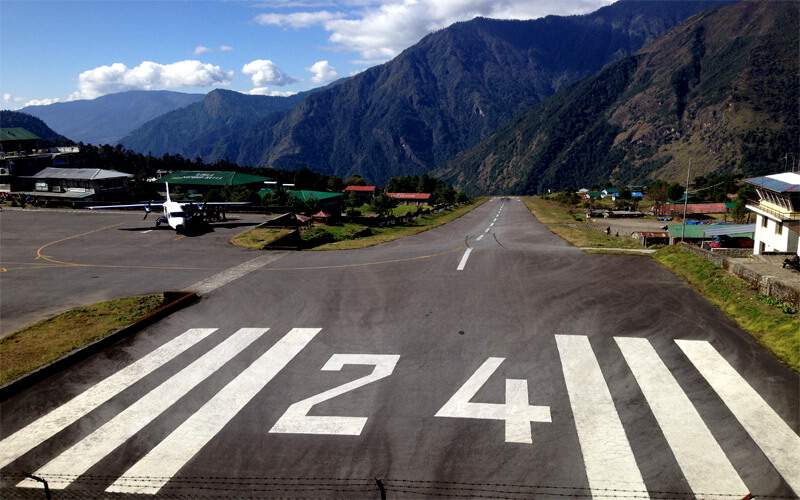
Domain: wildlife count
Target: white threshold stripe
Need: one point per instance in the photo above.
(222, 278)
(775, 438)
(464, 258)
(700, 457)
(171, 454)
(47, 426)
(80, 457)
(607, 454)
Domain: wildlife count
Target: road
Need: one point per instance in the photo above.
(482, 359)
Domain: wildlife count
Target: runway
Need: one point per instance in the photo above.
(482, 359)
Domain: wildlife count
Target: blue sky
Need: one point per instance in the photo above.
(81, 49)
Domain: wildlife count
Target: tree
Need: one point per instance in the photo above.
(383, 205)
(675, 192)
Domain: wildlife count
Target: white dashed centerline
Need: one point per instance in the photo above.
(479, 238)
(464, 259)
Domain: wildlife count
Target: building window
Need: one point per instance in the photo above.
(779, 228)
(763, 221)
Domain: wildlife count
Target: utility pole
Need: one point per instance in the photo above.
(685, 201)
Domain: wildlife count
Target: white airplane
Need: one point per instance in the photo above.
(180, 216)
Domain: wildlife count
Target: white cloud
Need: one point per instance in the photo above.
(322, 71)
(149, 75)
(269, 92)
(225, 48)
(201, 49)
(264, 72)
(6, 97)
(41, 102)
(381, 30)
(298, 19)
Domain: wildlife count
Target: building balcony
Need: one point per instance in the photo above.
(773, 213)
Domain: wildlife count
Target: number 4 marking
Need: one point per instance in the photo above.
(296, 419)
(516, 411)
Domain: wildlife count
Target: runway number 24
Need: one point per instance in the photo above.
(516, 411)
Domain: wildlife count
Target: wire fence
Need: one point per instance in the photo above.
(63, 486)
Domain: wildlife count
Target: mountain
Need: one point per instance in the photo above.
(107, 119)
(225, 125)
(720, 90)
(12, 119)
(445, 93)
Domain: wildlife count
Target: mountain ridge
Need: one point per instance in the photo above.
(440, 96)
(720, 89)
(106, 119)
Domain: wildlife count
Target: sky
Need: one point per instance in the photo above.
(67, 50)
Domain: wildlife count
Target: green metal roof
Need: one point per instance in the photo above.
(304, 194)
(17, 134)
(698, 231)
(212, 178)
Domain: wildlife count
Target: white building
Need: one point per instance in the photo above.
(777, 213)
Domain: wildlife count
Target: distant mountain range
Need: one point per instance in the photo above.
(721, 90)
(223, 125)
(107, 119)
(13, 119)
(436, 99)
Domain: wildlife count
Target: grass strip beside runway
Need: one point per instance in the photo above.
(775, 329)
(385, 234)
(559, 220)
(259, 238)
(41, 343)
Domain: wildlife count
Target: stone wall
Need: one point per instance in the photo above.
(766, 285)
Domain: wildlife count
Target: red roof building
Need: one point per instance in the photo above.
(411, 198)
(360, 189)
(693, 208)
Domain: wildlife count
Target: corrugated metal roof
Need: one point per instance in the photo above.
(360, 188)
(212, 178)
(698, 231)
(694, 208)
(17, 134)
(88, 174)
(304, 194)
(787, 182)
(731, 230)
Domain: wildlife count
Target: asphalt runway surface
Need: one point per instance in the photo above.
(483, 359)
(55, 260)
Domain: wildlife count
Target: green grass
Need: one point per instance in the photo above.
(34, 346)
(560, 220)
(258, 238)
(385, 234)
(764, 319)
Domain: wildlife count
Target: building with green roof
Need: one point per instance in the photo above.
(324, 200)
(17, 139)
(216, 178)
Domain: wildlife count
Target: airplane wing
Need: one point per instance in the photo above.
(134, 205)
(226, 203)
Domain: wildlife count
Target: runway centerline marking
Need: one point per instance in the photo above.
(775, 438)
(479, 238)
(700, 457)
(464, 258)
(47, 426)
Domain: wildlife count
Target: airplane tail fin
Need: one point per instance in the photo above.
(168, 198)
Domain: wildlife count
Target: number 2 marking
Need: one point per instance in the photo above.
(296, 420)
(516, 411)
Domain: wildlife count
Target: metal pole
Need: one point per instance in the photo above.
(685, 201)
